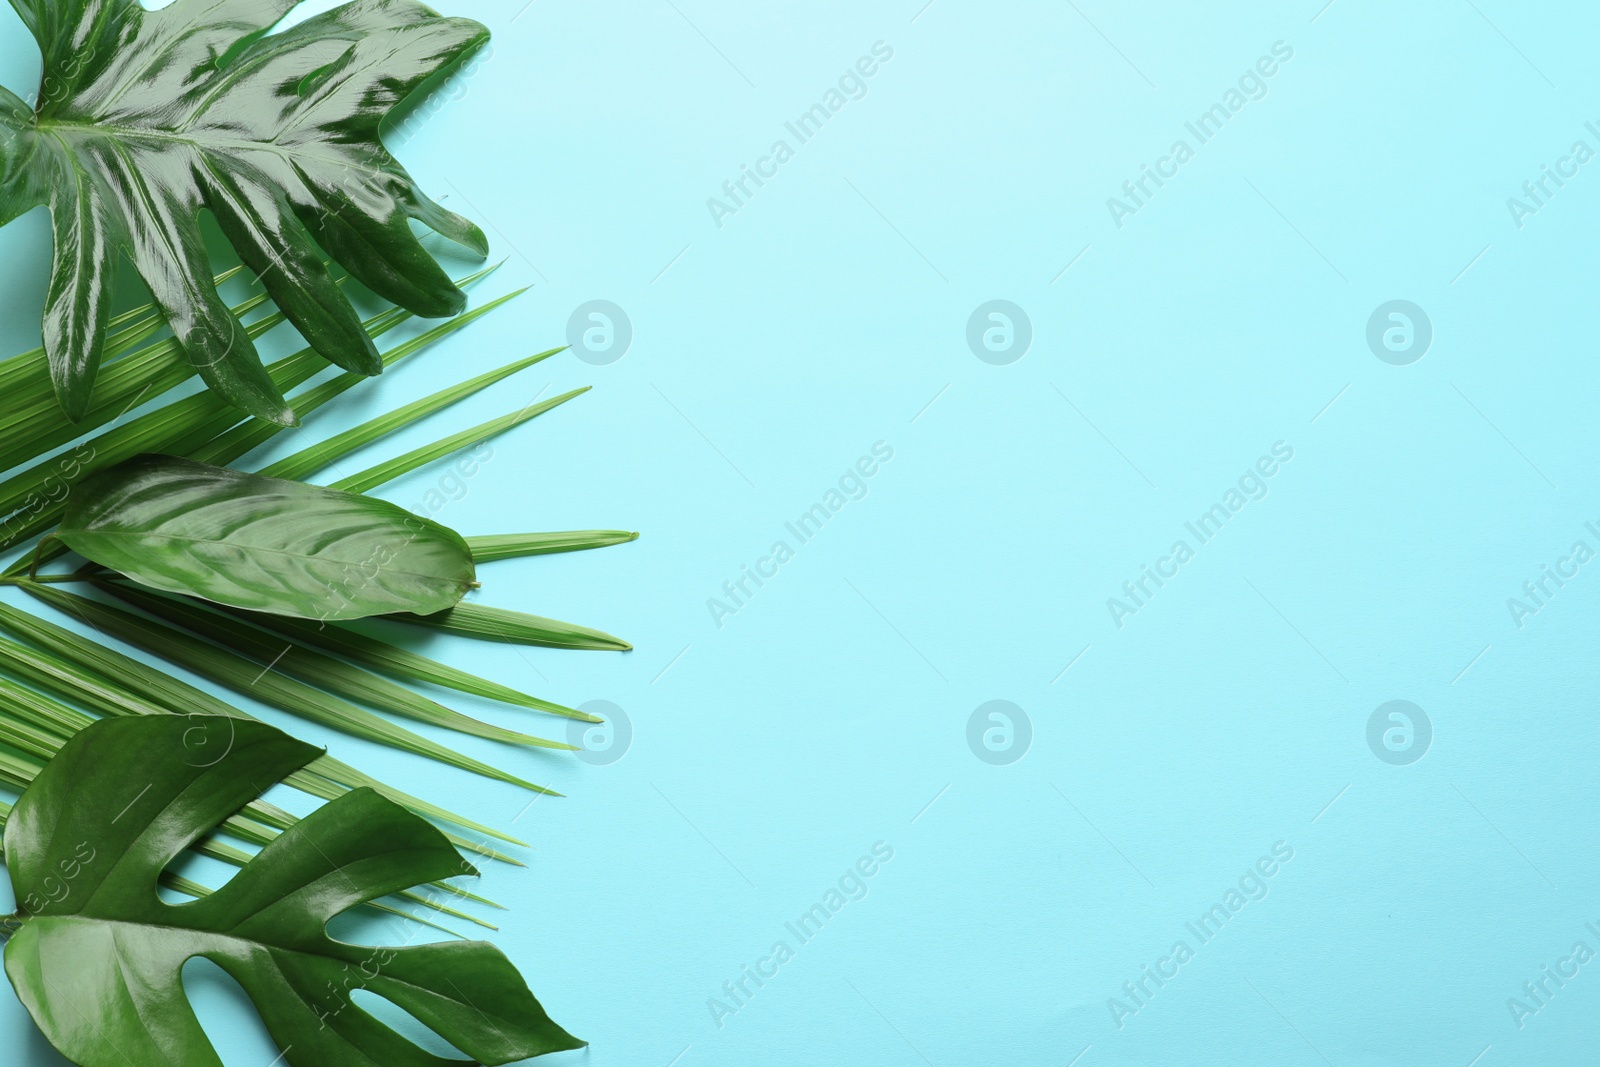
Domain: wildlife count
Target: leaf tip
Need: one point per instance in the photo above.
(74, 404)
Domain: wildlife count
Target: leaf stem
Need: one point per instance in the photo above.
(38, 550)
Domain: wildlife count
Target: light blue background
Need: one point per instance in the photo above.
(831, 711)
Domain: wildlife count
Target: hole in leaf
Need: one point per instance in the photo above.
(368, 927)
(227, 1015)
(405, 1024)
(379, 929)
(211, 873)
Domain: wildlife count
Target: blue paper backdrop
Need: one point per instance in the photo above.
(1360, 489)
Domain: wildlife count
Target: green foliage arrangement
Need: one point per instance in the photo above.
(144, 121)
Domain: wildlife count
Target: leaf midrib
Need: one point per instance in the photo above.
(71, 127)
(263, 549)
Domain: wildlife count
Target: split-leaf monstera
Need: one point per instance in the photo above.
(96, 956)
(145, 118)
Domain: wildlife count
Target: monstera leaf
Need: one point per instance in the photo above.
(96, 956)
(267, 544)
(145, 118)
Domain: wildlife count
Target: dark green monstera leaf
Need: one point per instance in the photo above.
(145, 118)
(266, 544)
(96, 954)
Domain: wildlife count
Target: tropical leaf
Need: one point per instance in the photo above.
(97, 955)
(152, 116)
(267, 544)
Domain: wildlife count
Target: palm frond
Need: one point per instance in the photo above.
(315, 667)
(248, 678)
(110, 683)
(338, 677)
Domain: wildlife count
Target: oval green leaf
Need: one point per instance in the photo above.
(266, 544)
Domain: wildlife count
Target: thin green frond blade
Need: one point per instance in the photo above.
(502, 624)
(402, 663)
(35, 747)
(317, 668)
(130, 686)
(31, 503)
(229, 669)
(511, 546)
(82, 670)
(327, 769)
(36, 424)
(394, 468)
(309, 460)
(179, 428)
(29, 369)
